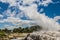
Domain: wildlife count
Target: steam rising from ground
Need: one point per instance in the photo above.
(40, 19)
(44, 35)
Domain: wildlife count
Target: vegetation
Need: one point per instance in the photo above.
(2, 34)
(22, 30)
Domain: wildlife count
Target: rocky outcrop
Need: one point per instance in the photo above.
(43, 35)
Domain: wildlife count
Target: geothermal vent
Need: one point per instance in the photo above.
(44, 35)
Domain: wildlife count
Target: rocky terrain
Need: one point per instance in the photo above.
(43, 35)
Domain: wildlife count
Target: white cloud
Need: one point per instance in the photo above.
(17, 22)
(1, 15)
(29, 11)
(11, 2)
(10, 27)
(56, 18)
(9, 13)
(46, 2)
(43, 2)
(28, 1)
(14, 3)
(12, 19)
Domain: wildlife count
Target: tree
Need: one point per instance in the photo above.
(35, 28)
(6, 30)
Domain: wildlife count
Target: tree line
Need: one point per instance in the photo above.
(22, 30)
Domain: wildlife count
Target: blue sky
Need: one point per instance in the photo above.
(52, 10)
(4, 6)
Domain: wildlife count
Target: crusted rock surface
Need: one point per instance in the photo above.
(43, 35)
